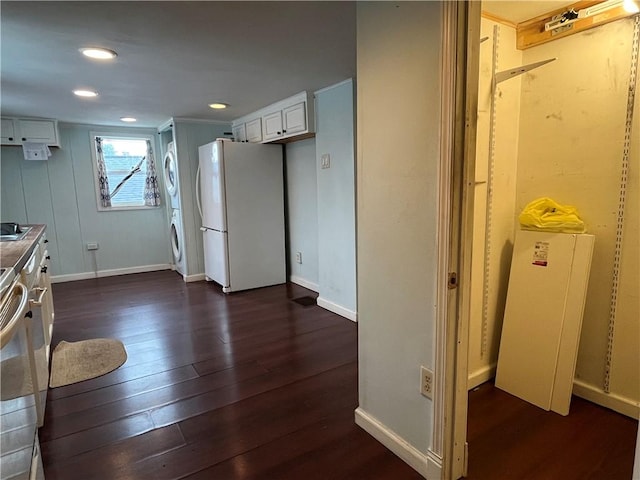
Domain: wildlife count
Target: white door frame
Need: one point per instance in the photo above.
(459, 109)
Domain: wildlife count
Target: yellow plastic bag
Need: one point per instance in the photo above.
(546, 215)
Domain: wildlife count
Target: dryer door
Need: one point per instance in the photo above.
(170, 173)
(176, 239)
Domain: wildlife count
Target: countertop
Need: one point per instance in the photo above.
(15, 253)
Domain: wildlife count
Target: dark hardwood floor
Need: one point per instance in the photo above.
(250, 385)
(512, 439)
(253, 385)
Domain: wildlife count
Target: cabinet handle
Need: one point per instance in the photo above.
(48, 257)
(44, 269)
(29, 314)
(24, 139)
(46, 241)
(11, 139)
(279, 133)
(38, 302)
(284, 131)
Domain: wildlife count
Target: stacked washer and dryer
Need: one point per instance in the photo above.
(171, 180)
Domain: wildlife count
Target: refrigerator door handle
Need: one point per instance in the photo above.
(198, 194)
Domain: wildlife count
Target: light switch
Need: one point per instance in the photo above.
(325, 161)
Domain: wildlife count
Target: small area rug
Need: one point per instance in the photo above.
(78, 361)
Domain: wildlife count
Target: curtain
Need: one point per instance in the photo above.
(151, 190)
(103, 180)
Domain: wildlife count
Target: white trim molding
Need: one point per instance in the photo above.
(625, 406)
(198, 277)
(444, 206)
(338, 309)
(335, 85)
(482, 375)
(304, 283)
(427, 465)
(72, 277)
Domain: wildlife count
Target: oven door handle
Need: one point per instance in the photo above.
(38, 302)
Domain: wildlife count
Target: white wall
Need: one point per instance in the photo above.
(336, 199)
(484, 342)
(571, 149)
(398, 102)
(302, 212)
(560, 134)
(61, 194)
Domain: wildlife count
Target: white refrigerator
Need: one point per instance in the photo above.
(242, 195)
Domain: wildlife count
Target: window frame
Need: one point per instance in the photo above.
(94, 162)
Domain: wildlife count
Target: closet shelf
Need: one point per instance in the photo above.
(514, 72)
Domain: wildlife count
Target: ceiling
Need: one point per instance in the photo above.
(174, 57)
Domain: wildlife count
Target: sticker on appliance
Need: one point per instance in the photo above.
(541, 254)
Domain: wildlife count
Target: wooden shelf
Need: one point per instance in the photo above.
(532, 32)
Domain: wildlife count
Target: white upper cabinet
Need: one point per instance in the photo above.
(254, 130)
(272, 125)
(9, 136)
(239, 133)
(295, 119)
(286, 120)
(16, 131)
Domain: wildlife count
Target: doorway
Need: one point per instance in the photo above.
(561, 130)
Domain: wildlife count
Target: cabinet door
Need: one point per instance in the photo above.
(239, 133)
(8, 132)
(295, 119)
(272, 125)
(254, 131)
(40, 131)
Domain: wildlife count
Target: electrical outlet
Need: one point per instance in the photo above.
(92, 246)
(298, 257)
(426, 382)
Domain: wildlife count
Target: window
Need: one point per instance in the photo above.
(125, 172)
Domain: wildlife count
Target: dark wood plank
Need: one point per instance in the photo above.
(119, 391)
(510, 438)
(169, 398)
(88, 440)
(255, 386)
(210, 377)
(222, 433)
(117, 455)
(342, 451)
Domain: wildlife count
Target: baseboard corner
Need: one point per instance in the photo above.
(420, 462)
(337, 309)
(304, 283)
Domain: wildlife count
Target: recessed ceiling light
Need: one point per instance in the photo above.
(98, 53)
(128, 119)
(218, 106)
(85, 93)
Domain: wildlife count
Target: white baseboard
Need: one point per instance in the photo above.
(618, 403)
(335, 308)
(72, 277)
(426, 465)
(625, 406)
(481, 375)
(198, 277)
(304, 283)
